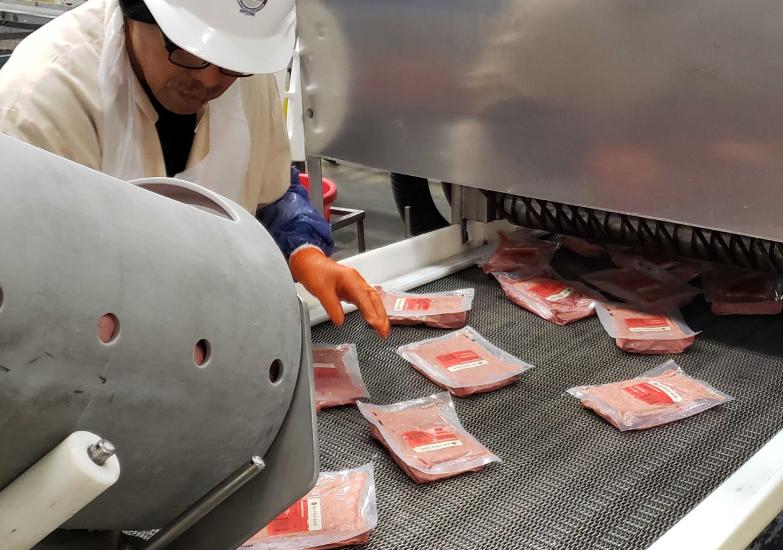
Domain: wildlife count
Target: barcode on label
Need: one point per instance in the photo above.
(562, 295)
(438, 446)
(673, 395)
(471, 365)
(314, 514)
(648, 324)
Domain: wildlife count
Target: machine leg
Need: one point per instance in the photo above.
(316, 182)
(360, 235)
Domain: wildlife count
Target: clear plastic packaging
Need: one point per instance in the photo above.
(519, 252)
(645, 284)
(425, 438)
(639, 328)
(659, 396)
(338, 379)
(436, 309)
(682, 268)
(463, 362)
(341, 510)
(742, 292)
(583, 247)
(549, 296)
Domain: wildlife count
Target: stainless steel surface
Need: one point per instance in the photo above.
(206, 504)
(679, 240)
(667, 110)
(316, 182)
(291, 471)
(407, 221)
(101, 451)
(83, 245)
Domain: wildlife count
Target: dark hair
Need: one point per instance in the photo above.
(136, 10)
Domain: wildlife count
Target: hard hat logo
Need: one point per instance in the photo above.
(251, 7)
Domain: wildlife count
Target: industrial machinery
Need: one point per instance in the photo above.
(652, 124)
(649, 124)
(18, 18)
(163, 318)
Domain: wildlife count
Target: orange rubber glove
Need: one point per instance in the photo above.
(331, 282)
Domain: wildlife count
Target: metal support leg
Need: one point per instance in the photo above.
(458, 210)
(316, 182)
(343, 217)
(360, 235)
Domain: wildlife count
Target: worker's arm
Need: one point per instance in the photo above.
(293, 222)
(304, 236)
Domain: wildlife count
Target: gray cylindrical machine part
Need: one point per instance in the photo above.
(192, 274)
(681, 240)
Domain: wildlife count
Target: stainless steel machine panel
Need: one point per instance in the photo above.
(667, 110)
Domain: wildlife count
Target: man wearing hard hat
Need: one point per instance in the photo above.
(138, 88)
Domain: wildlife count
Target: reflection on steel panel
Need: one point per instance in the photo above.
(668, 109)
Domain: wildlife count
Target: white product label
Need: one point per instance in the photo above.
(673, 395)
(399, 304)
(649, 329)
(438, 446)
(471, 365)
(324, 366)
(562, 295)
(314, 514)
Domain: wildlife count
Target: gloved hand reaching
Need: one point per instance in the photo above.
(331, 282)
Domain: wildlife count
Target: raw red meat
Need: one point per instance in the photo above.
(739, 292)
(425, 438)
(682, 268)
(583, 247)
(338, 380)
(341, 510)
(436, 309)
(660, 396)
(519, 252)
(651, 285)
(464, 362)
(628, 258)
(639, 328)
(548, 296)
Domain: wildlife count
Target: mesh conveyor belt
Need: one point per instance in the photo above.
(569, 480)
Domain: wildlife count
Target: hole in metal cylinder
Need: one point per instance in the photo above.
(108, 327)
(202, 353)
(276, 371)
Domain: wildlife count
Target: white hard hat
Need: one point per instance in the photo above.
(246, 36)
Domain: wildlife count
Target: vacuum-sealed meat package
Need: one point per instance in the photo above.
(583, 247)
(659, 396)
(519, 252)
(435, 309)
(646, 284)
(339, 511)
(464, 363)
(549, 296)
(639, 328)
(682, 268)
(742, 292)
(425, 438)
(338, 380)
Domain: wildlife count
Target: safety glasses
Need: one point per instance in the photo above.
(186, 60)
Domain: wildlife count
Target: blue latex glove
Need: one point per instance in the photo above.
(293, 221)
